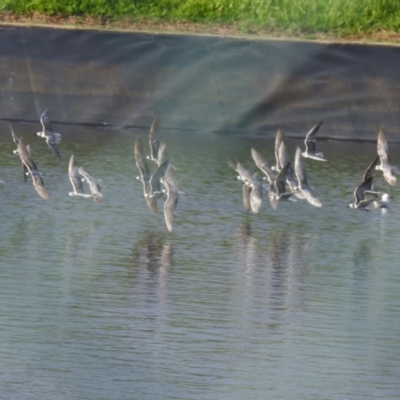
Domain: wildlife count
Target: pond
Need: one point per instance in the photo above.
(100, 301)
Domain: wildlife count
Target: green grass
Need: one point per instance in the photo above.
(339, 17)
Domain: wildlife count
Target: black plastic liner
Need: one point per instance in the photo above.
(198, 83)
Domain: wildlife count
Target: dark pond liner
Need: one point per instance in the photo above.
(198, 83)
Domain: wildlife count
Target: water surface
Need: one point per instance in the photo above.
(100, 301)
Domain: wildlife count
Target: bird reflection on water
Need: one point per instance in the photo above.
(288, 258)
(276, 262)
(248, 256)
(153, 259)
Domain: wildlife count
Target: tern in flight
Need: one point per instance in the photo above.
(278, 187)
(76, 180)
(31, 169)
(16, 140)
(94, 185)
(384, 156)
(16, 152)
(365, 187)
(252, 187)
(52, 138)
(300, 170)
(310, 142)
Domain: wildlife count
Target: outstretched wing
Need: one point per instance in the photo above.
(311, 138)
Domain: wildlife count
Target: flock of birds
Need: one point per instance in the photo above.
(163, 175)
(283, 175)
(77, 174)
(162, 183)
(152, 183)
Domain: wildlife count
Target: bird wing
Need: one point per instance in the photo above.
(311, 199)
(311, 138)
(51, 142)
(74, 176)
(384, 156)
(25, 156)
(280, 137)
(256, 197)
(169, 211)
(382, 146)
(94, 186)
(155, 180)
(153, 141)
(389, 177)
(152, 204)
(162, 153)
(280, 180)
(300, 170)
(246, 197)
(14, 136)
(283, 155)
(38, 183)
(369, 172)
(169, 180)
(360, 189)
(45, 121)
(244, 173)
(232, 163)
(141, 160)
(262, 165)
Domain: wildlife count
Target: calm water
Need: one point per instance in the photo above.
(99, 301)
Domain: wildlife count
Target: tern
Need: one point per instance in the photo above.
(16, 140)
(31, 169)
(291, 180)
(252, 187)
(365, 188)
(16, 152)
(310, 142)
(144, 175)
(300, 170)
(52, 138)
(278, 187)
(94, 185)
(384, 156)
(76, 180)
(360, 201)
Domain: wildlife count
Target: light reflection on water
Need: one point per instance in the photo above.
(100, 301)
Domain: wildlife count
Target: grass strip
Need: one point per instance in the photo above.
(341, 18)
